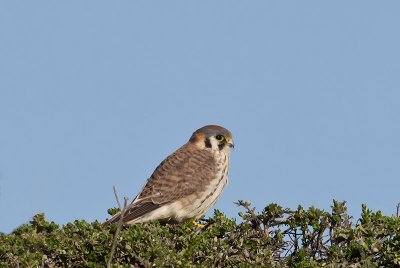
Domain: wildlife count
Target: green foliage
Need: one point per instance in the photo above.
(274, 237)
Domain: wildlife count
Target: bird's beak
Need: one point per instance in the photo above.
(229, 142)
(231, 145)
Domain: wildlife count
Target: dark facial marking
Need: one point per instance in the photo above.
(193, 139)
(221, 145)
(207, 143)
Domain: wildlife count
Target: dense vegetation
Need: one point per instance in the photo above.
(274, 237)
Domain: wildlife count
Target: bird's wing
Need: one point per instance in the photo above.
(187, 171)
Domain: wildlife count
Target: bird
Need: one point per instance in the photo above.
(187, 183)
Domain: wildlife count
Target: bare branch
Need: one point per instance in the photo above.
(120, 223)
(117, 198)
(398, 209)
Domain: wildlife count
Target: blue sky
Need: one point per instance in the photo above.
(94, 93)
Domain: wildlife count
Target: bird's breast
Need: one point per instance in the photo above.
(206, 199)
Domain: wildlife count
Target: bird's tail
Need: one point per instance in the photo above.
(113, 219)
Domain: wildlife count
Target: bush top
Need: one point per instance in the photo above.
(273, 237)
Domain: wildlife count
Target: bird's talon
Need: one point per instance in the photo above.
(198, 225)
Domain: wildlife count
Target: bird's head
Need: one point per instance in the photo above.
(213, 137)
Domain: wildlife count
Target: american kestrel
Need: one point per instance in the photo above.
(187, 183)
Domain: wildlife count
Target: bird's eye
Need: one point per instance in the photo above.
(219, 137)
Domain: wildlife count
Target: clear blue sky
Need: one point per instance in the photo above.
(94, 93)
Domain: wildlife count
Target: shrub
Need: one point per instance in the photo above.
(274, 237)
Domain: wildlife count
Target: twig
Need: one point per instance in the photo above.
(116, 197)
(398, 209)
(120, 222)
